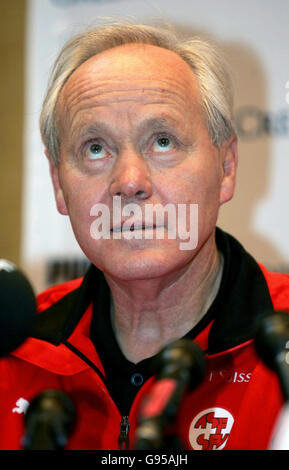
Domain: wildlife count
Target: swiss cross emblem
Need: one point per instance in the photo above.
(210, 429)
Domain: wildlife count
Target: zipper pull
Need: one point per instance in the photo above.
(123, 439)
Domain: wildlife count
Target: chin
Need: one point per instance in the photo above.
(140, 264)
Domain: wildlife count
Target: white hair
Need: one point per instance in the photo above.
(206, 62)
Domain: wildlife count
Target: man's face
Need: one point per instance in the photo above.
(131, 127)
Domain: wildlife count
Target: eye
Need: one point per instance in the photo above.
(95, 151)
(163, 144)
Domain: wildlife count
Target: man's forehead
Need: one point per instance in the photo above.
(143, 63)
(134, 55)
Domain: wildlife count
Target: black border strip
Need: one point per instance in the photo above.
(85, 359)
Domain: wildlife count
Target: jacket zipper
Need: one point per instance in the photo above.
(123, 439)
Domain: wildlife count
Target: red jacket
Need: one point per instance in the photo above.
(235, 407)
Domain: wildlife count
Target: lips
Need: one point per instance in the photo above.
(131, 227)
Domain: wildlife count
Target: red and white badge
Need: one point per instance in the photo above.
(210, 429)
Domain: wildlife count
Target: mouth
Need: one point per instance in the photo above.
(132, 228)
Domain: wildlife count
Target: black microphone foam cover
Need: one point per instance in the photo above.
(182, 354)
(17, 308)
(272, 337)
(49, 421)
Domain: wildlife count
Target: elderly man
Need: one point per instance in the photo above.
(134, 116)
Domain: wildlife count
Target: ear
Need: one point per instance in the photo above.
(58, 193)
(229, 162)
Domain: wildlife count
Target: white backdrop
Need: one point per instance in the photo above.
(255, 36)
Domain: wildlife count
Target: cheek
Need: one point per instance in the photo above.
(80, 204)
(200, 186)
(79, 207)
(80, 191)
(196, 185)
(81, 194)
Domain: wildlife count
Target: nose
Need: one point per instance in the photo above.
(131, 177)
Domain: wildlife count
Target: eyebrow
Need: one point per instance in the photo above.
(88, 129)
(156, 123)
(159, 122)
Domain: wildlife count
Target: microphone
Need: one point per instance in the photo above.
(17, 307)
(272, 346)
(178, 367)
(49, 421)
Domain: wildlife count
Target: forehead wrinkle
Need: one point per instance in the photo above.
(76, 114)
(80, 90)
(77, 86)
(81, 117)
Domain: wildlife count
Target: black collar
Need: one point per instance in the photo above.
(242, 299)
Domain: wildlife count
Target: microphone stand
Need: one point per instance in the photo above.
(49, 420)
(179, 366)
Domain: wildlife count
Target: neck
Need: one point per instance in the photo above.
(149, 314)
